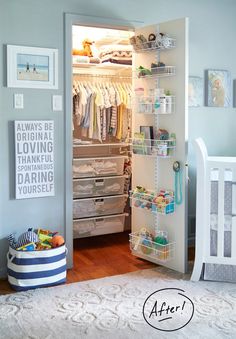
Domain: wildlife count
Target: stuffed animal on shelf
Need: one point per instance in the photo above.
(86, 51)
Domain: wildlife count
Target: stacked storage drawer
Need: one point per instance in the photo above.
(92, 207)
(98, 193)
(97, 167)
(84, 188)
(95, 226)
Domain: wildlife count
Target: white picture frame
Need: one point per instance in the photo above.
(32, 67)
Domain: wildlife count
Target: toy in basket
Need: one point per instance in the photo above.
(161, 202)
(156, 246)
(36, 259)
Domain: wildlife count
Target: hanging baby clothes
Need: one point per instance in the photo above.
(99, 103)
(127, 116)
(102, 109)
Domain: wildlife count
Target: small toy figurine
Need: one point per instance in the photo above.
(27, 237)
(140, 189)
(146, 241)
(57, 241)
(143, 72)
(28, 247)
(161, 245)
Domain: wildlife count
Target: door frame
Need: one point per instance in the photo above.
(69, 21)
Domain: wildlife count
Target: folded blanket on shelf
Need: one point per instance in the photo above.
(83, 169)
(118, 61)
(105, 167)
(87, 189)
(79, 59)
(112, 188)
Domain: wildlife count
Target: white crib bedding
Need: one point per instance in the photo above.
(216, 271)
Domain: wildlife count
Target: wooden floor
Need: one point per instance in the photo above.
(101, 256)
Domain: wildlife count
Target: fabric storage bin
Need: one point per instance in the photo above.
(102, 166)
(96, 226)
(83, 188)
(34, 269)
(93, 207)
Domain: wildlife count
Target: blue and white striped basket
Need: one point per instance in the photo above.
(34, 269)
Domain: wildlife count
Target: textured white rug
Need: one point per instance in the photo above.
(112, 308)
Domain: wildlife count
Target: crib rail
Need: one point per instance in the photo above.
(205, 166)
(222, 165)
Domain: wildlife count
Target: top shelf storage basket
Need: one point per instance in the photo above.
(160, 43)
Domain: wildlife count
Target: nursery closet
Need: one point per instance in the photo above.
(147, 130)
(102, 103)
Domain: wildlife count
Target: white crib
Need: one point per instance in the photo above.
(224, 169)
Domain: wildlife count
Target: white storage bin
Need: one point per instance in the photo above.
(83, 188)
(93, 207)
(96, 226)
(100, 166)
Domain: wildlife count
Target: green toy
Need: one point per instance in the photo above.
(143, 72)
(161, 245)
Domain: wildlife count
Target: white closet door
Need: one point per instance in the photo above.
(154, 172)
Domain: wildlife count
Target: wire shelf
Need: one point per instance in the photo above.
(164, 104)
(154, 147)
(152, 202)
(151, 249)
(158, 44)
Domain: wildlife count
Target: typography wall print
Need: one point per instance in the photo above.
(32, 67)
(219, 88)
(34, 158)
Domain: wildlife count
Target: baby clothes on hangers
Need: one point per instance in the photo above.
(102, 109)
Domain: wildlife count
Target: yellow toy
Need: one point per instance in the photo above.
(86, 51)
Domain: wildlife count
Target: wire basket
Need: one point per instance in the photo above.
(142, 247)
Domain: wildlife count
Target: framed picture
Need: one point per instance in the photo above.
(195, 91)
(219, 88)
(32, 67)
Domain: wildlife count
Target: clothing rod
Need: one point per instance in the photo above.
(102, 76)
(117, 144)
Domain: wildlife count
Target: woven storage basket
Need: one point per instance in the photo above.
(34, 269)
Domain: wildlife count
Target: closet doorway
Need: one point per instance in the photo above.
(102, 117)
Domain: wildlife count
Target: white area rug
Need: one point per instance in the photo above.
(112, 308)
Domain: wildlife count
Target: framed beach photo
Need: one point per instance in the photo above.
(32, 67)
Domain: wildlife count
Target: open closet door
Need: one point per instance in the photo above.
(159, 206)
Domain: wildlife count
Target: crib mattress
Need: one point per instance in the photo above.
(218, 272)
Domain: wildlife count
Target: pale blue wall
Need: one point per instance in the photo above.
(40, 23)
